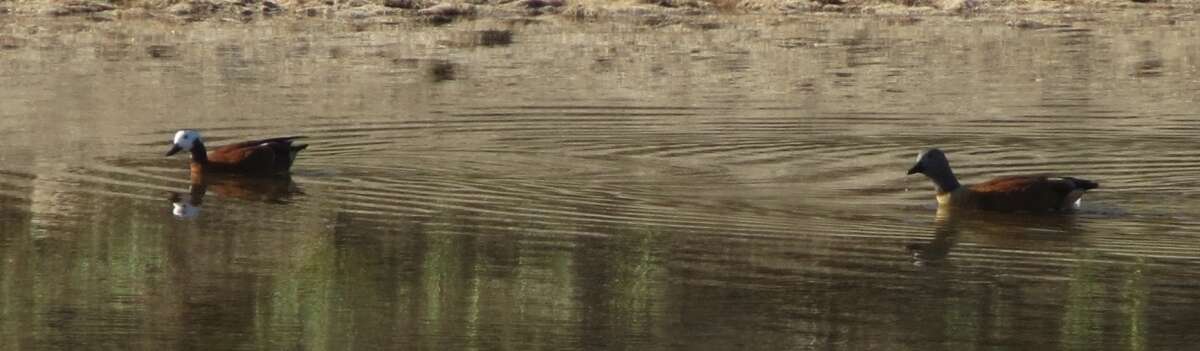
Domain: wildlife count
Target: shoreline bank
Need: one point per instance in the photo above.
(647, 12)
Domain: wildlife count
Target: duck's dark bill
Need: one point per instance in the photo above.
(916, 169)
(174, 149)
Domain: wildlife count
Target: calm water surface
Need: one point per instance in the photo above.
(738, 185)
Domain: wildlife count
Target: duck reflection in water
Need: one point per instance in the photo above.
(1025, 231)
(272, 189)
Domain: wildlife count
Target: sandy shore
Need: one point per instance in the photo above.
(648, 12)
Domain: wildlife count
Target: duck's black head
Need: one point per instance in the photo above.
(933, 164)
(930, 161)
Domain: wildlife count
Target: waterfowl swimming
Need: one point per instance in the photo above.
(257, 157)
(1032, 193)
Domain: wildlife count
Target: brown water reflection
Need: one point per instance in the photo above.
(1013, 231)
(269, 189)
(598, 186)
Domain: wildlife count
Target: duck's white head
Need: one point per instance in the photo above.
(184, 141)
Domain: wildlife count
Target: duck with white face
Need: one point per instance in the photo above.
(254, 157)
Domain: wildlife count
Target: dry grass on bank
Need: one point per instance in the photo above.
(448, 10)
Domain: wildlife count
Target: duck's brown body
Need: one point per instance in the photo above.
(267, 156)
(1032, 193)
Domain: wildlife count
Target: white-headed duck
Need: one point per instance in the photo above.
(255, 157)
